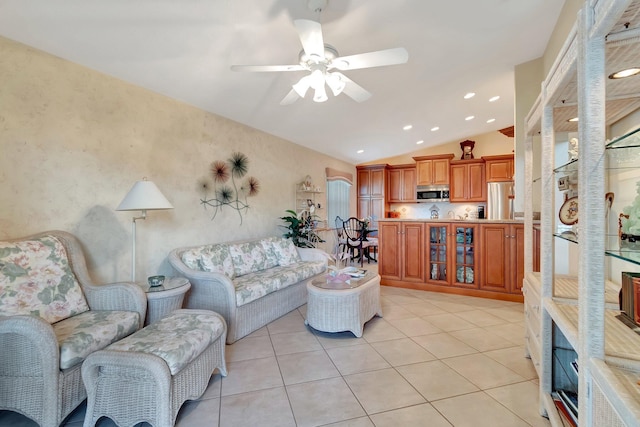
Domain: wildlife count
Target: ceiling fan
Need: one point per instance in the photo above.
(325, 66)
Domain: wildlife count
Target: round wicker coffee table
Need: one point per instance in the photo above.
(343, 306)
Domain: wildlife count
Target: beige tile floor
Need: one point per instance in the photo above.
(432, 360)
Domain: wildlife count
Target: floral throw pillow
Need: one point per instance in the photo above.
(191, 259)
(217, 259)
(286, 252)
(36, 279)
(270, 253)
(248, 257)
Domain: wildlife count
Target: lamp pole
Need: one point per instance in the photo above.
(133, 244)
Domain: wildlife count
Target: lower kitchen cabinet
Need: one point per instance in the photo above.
(401, 251)
(502, 257)
(463, 257)
(452, 255)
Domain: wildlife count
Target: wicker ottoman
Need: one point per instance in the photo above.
(337, 307)
(151, 373)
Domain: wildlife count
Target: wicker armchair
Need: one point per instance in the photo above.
(39, 377)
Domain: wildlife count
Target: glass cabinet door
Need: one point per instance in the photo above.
(437, 266)
(464, 255)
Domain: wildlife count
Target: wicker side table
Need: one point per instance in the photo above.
(162, 300)
(343, 307)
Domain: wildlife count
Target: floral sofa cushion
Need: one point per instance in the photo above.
(81, 335)
(252, 286)
(178, 338)
(285, 251)
(248, 257)
(35, 279)
(212, 258)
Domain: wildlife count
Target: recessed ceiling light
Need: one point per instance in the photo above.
(575, 119)
(624, 73)
(420, 142)
(407, 127)
(435, 128)
(360, 151)
(494, 98)
(491, 120)
(469, 118)
(469, 95)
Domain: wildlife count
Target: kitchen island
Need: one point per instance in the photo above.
(478, 257)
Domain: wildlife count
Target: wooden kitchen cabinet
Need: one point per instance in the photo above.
(502, 257)
(401, 251)
(474, 258)
(467, 181)
(371, 191)
(371, 180)
(452, 254)
(371, 207)
(499, 168)
(402, 183)
(433, 170)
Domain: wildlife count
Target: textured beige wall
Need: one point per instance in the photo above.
(73, 142)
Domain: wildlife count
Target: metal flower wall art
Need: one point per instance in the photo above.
(229, 186)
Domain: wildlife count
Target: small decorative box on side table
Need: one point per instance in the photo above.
(164, 299)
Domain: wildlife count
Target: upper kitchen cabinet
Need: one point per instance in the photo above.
(468, 183)
(499, 168)
(371, 191)
(402, 183)
(433, 170)
(371, 180)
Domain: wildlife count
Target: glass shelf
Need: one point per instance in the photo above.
(629, 252)
(628, 140)
(569, 167)
(567, 235)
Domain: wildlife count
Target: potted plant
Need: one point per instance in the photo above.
(301, 230)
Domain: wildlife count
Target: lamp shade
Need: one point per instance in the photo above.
(144, 195)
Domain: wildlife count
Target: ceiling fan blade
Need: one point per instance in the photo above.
(291, 97)
(379, 58)
(310, 33)
(354, 90)
(267, 68)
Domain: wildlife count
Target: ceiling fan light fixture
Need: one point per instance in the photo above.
(302, 86)
(320, 94)
(317, 78)
(335, 83)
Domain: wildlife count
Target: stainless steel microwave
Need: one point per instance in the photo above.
(429, 193)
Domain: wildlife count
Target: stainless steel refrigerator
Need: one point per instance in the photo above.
(500, 200)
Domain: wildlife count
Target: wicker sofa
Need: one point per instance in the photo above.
(250, 283)
(52, 317)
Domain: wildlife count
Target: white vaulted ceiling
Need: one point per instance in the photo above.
(184, 48)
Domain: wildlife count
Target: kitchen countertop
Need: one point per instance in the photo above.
(469, 221)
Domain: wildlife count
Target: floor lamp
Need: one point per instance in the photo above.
(143, 196)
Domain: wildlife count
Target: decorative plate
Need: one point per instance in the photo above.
(569, 211)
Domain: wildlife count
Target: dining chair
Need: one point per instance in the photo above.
(356, 239)
(341, 251)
